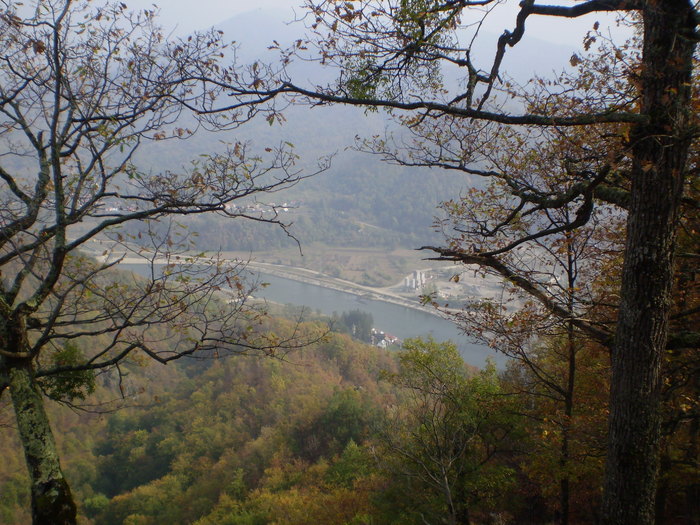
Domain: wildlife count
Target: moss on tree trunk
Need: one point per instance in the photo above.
(52, 502)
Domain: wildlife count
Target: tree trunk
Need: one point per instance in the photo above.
(52, 502)
(659, 154)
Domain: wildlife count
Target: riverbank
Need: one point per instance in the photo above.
(314, 278)
(441, 281)
(325, 281)
(394, 314)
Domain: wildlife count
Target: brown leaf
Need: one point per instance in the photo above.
(38, 46)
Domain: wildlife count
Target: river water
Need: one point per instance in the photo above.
(394, 319)
(391, 318)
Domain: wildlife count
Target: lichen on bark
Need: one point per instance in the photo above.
(52, 501)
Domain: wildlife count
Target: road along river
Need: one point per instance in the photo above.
(392, 318)
(395, 319)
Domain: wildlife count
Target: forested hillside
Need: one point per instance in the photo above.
(339, 432)
(358, 201)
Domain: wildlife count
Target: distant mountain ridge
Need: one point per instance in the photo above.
(359, 201)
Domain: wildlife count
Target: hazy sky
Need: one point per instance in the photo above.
(189, 15)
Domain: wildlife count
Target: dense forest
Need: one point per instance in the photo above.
(339, 432)
(352, 206)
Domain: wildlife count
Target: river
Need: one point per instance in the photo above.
(394, 319)
(391, 318)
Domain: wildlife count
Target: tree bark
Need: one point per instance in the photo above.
(659, 153)
(52, 501)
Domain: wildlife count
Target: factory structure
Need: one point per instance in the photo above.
(415, 280)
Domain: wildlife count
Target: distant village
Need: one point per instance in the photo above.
(118, 206)
(262, 208)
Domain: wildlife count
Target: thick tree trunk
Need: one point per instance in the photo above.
(659, 149)
(52, 502)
